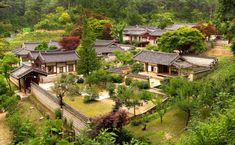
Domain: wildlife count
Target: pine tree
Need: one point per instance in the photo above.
(89, 61)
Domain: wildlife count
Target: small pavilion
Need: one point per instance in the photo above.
(25, 75)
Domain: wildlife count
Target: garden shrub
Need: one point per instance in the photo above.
(140, 84)
(58, 114)
(22, 129)
(111, 88)
(89, 98)
(135, 122)
(6, 102)
(115, 78)
(128, 81)
(137, 67)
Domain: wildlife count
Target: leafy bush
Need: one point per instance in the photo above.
(137, 67)
(89, 98)
(233, 46)
(128, 81)
(111, 88)
(3, 86)
(135, 122)
(6, 102)
(115, 78)
(140, 84)
(58, 114)
(22, 129)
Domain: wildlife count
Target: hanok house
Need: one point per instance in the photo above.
(162, 64)
(148, 35)
(55, 62)
(25, 75)
(23, 51)
(172, 64)
(105, 48)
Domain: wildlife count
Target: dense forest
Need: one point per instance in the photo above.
(18, 14)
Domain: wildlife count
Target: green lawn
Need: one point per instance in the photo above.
(28, 111)
(172, 127)
(92, 109)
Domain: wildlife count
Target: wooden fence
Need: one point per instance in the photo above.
(51, 102)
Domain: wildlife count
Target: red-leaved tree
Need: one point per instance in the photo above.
(207, 29)
(107, 32)
(70, 42)
(111, 121)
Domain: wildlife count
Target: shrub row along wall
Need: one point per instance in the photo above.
(51, 102)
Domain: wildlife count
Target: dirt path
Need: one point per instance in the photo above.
(5, 135)
(219, 51)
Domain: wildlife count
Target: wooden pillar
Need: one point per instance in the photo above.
(19, 85)
(169, 70)
(56, 68)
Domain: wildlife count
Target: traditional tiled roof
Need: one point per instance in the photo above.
(156, 57)
(201, 61)
(108, 49)
(157, 32)
(99, 43)
(119, 70)
(30, 45)
(54, 43)
(179, 25)
(34, 54)
(24, 70)
(20, 52)
(180, 63)
(58, 56)
(138, 30)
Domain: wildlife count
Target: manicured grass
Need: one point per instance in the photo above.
(92, 109)
(28, 111)
(172, 127)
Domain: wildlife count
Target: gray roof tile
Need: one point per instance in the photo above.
(58, 56)
(156, 57)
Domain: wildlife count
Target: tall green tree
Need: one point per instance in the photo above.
(6, 65)
(186, 40)
(88, 60)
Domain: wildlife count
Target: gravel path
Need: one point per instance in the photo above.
(5, 135)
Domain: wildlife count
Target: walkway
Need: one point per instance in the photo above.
(5, 135)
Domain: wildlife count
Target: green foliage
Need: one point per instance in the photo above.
(99, 76)
(7, 102)
(128, 81)
(233, 46)
(117, 31)
(115, 78)
(218, 130)
(44, 47)
(22, 129)
(137, 67)
(162, 20)
(152, 47)
(88, 61)
(4, 47)
(124, 57)
(140, 84)
(54, 21)
(6, 65)
(185, 40)
(58, 114)
(3, 85)
(111, 89)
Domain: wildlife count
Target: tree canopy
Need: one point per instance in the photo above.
(186, 40)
